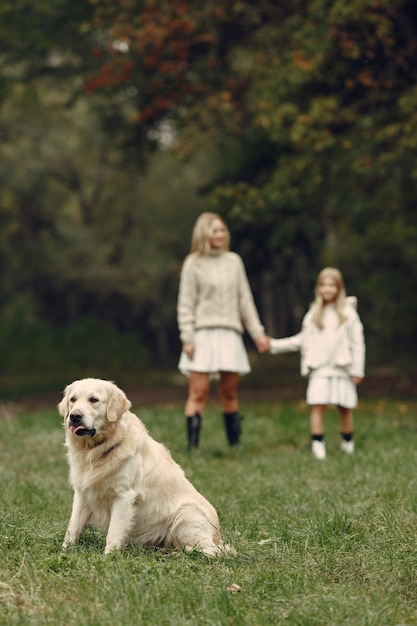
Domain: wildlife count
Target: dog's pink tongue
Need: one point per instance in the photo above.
(74, 429)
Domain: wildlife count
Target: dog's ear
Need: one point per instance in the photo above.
(63, 405)
(117, 404)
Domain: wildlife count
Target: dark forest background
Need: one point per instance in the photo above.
(120, 121)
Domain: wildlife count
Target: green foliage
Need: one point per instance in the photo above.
(82, 235)
(88, 347)
(321, 543)
(296, 121)
(331, 101)
(387, 294)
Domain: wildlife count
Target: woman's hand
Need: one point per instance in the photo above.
(188, 348)
(356, 380)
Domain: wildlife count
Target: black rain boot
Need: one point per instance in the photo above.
(233, 429)
(193, 430)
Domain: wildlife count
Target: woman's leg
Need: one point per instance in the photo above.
(228, 385)
(228, 396)
(198, 391)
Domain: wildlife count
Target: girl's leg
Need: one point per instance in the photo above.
(346, 420)
(228, 396)
(346, 429)
(318, 447)
(317, 420)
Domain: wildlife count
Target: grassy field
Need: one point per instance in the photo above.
(318, 542)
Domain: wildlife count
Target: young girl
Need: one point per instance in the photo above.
(215, 304)
(332, 349)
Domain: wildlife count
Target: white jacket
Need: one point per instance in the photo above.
(346, 355)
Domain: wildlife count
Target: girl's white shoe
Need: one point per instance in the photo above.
(347, 446)
(318, 448)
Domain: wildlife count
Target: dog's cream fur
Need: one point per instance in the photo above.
(126, 483)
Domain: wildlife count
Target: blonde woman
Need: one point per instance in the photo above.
(215, 305)
(332, 349)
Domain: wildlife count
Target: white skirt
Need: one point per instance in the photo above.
(216, 350)
(332, 390)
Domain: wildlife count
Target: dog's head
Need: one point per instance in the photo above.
(90, 404)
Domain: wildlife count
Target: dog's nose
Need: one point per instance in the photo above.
(75, 417)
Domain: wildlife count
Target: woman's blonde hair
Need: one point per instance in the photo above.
(203, 232)
(317, 306)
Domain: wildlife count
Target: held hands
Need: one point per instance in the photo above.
(188, 348)
(356, 380)
(262, 343)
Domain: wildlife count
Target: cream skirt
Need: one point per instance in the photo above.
(332, 390)
(216, 350)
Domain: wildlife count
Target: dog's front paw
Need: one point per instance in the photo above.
(111, 547)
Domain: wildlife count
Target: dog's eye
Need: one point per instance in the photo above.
(93, 400)
(72, 399)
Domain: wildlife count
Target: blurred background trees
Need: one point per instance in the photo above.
(121, 121)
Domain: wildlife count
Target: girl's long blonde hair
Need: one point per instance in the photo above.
(317, 306)
(203, 231)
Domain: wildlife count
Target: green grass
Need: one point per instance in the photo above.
(318, 543)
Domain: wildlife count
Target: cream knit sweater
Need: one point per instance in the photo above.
(214, 292)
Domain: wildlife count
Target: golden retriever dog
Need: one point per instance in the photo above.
(126, 483)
